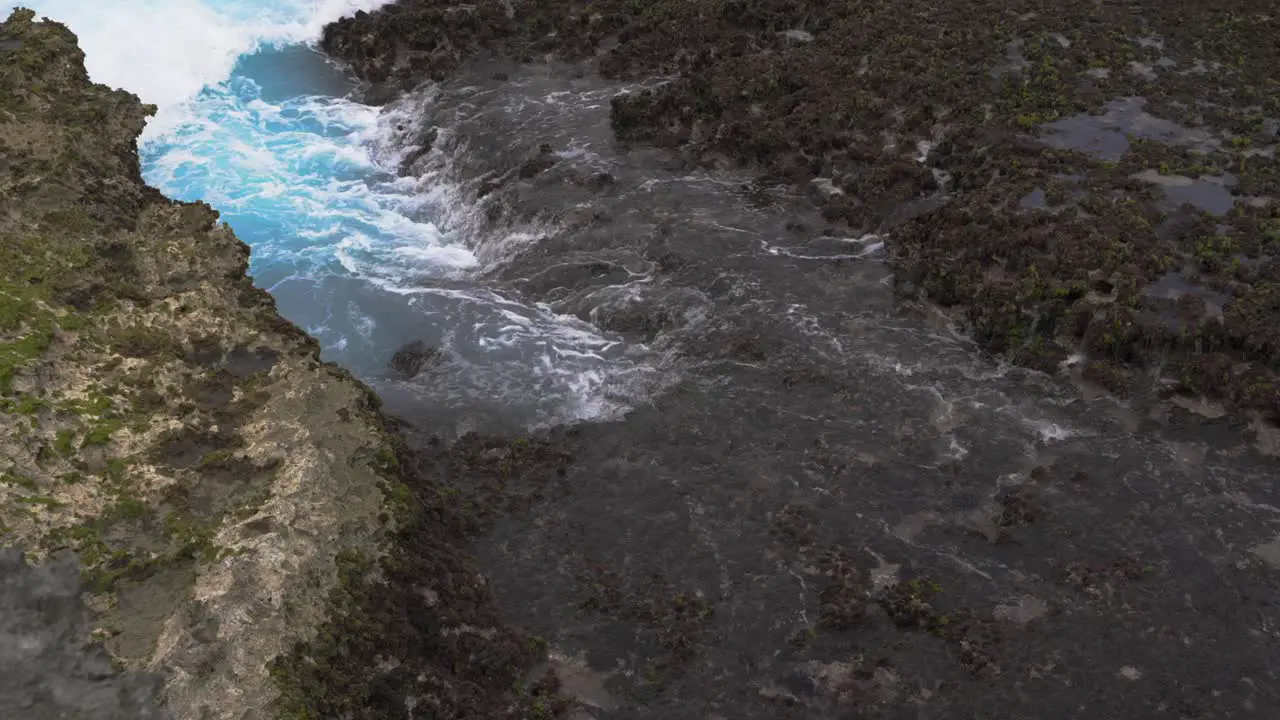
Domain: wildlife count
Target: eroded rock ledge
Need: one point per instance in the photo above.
(239, 507)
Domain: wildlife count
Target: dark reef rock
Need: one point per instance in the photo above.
(885, 103)
(415, 357)
(839, 508)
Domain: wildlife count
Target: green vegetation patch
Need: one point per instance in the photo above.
(35, 273)
(19, 481)
(36, 337)
(913, 604)
(101, 432)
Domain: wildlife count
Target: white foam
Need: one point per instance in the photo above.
(339, 239)
(240, 151)
(1051, 432)
(166, 51)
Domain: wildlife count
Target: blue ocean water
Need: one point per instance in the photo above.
(291, 164)
(256, 122)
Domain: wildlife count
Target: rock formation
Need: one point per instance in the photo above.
(1088, 188)
(1068, 181)
(237, 505)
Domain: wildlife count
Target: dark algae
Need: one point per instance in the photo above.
(1108, 110)
(974, 312)
(389, 652)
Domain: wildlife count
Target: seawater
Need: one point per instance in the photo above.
(255, 121)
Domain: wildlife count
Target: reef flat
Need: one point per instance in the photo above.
(1089, 187)
(970, 310)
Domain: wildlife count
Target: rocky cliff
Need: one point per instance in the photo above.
(238, 506)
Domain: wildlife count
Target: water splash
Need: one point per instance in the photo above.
(167, 51)
(256, 122)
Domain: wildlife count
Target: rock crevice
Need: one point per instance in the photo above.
(233, 501)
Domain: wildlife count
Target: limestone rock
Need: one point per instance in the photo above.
(159, 419)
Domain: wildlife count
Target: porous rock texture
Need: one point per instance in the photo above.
(237, 506)
(1089, 187)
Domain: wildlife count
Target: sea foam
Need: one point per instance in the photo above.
(254, 121)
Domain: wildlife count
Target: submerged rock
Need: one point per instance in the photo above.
(750, 543)
(239, 506)
(936, 129)
(413, 358)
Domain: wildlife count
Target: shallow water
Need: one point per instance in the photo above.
(1106, 135)
(1207, 193)
(821, 423)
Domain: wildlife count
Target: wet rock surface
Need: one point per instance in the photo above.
(839, 506)
(51, 667)
(250, 543)
(872, 113)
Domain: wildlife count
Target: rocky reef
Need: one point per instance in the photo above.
(239, 509)
(841, 506)
(1088, 188)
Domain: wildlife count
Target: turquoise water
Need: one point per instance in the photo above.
(258, 124)
(293, 167)
(254, 121)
